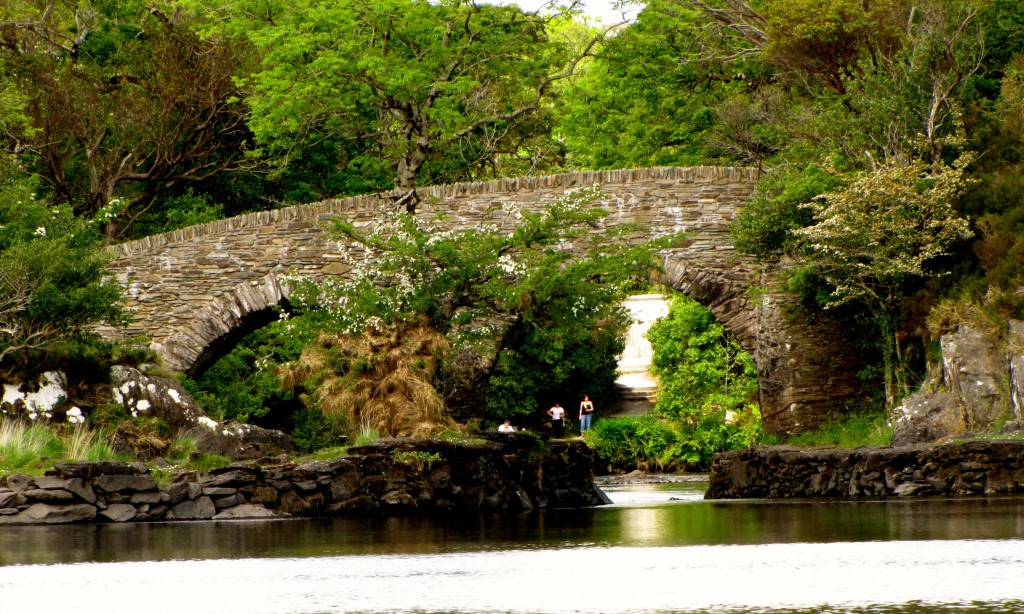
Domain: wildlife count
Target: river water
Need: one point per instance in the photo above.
(659, 548)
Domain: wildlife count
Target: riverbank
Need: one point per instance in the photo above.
(503, 473)
(994, 467)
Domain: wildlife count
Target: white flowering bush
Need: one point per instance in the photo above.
(559, 274)
(883, 229)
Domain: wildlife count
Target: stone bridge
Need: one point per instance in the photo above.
(194, 291)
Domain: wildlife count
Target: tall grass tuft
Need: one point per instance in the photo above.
(23, 446)
(380, 379)
(32, 448)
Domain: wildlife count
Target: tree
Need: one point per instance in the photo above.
(125, 100)
(882, 229)
(439, 89)
(53, 285)
(641, 101)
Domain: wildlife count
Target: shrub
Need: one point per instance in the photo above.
(706, 401)
(764, 228)
(866, 427)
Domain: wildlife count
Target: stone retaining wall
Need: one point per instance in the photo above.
(510, 473)
(967, 468)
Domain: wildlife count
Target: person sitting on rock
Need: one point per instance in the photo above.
(506, 427)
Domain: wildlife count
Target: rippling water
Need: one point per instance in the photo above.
(658, 549)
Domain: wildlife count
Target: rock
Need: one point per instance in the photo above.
(11, 498)
(44, 513)
(75, 486)
(243, 441)
(90, 469)
(248, 511)
(197, 509)
(976, 388)
(119, 512)
(19, 482)
(124, 483)
(166, 399)
(38, 494)
(160, 397)
(927, 416)
(961, 468)
(467, 367)
(908, 489)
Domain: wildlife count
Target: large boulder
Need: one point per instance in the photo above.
(164, 398)
(975, 390)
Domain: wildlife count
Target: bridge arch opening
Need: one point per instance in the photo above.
(220, 323)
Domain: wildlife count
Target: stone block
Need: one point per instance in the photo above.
(45, 513)
(119, 512)
(248, 511)
(200, 508)
(124, 483)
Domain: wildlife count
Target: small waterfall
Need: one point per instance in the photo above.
(639, 389)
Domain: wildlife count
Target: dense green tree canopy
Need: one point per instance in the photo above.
(434, 90)
(124, 101)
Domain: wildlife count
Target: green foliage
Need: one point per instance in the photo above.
(433, 89)
(708, 388)
(856, 429)
(172, 212)
(764, 227)
(35, 448)
(207, 462)
(700, 368)
(314, 430)
(567, 322)
(243, 385)
(366, 435)
(636, 104)
(631, 442)
(127, 101)
(53, 285)
(416, 458)
(706, 402)
(880, 231)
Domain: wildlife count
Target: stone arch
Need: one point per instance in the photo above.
(805, 372)
(221, 323)
(194, 290)
(725, 293)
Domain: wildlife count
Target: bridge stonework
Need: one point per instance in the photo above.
(192, 289)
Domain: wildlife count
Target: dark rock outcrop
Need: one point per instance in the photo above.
(506, 472)
(967, 468)
(976, 388)
(166, 399)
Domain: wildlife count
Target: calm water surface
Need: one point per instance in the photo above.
(660, 548)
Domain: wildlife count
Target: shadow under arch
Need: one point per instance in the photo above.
(220, 324)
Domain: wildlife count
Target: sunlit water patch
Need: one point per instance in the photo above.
(658, 548)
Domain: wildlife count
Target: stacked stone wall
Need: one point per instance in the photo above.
(967, 468)
(512, 473)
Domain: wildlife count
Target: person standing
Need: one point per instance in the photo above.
(586, 413)
(557, 414)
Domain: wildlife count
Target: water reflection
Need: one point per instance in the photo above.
(659, 548)
(644, 516)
